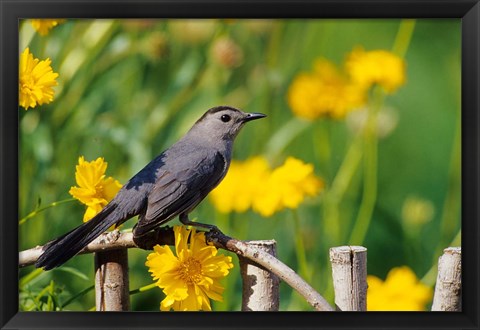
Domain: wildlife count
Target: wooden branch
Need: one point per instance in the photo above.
(111, 281)
(261, 288)
(448, 289)
(164, 235)
(349, 271)
(108, 241)
(272, 264)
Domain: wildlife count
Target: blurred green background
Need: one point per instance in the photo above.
(128, 89)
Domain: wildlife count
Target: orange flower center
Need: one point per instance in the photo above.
(190, 271)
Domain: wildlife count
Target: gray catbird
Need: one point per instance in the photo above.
(172, 184)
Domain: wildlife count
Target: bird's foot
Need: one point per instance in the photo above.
(184, 219)
(211, 228)
(140, 243)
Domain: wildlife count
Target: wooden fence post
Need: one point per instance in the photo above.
(260, 287)
(111, 280)
(448, 289)
(349, 271)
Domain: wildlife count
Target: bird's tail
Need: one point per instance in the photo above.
(60, 250)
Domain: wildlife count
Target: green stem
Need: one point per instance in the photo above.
(400, 47)
(323, 150)
(143, 288)
(370, 171)
(36, 304)
(79, 80)
(304, 270)
(51, 291)
(30, 276)
(41, 293)
(451, 205)
(404, 37)
(341, 182)
(431, 276)
(34, 213)
(272, 50)
(284, 136)
(347, 170)
(78, 295)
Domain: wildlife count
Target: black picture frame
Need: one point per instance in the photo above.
(13, 10)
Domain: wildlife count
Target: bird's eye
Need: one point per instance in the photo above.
(225, 118)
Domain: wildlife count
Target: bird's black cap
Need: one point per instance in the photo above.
(215, 110)
(249, 117)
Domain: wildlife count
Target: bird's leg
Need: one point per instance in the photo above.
(139, 240)
(184, 219)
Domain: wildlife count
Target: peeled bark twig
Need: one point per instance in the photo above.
(448, 289)
(349, 271)
(107, 241)
(260, 288)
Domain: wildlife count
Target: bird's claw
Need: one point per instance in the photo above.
(214, 229)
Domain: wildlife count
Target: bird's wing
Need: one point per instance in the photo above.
(179, 190)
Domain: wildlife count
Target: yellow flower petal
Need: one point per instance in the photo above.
(376, 67)
(234, 192)
(401, 291)
(325, 92)
(93, 189)
(181, 240)
(253, 184)
(162, 260)
(43, 26)
(91, 212)
(110, 188)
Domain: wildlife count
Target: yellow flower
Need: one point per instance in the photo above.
(235, 191)
(324, 92)
(253, 184)
(286, 187)
(36, 79)
(43, 26)
(401, 291)
(94, 190)
(376, 67)
(191, 278)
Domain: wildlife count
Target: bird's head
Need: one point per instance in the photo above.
(223, 122)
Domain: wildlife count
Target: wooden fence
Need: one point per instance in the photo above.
(261, 273)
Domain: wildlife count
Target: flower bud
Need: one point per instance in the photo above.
(417, 211)
(227, 53)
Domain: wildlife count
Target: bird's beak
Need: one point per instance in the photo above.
(253, 116)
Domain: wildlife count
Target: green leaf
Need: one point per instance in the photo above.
(30, 276)
(74, 271)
